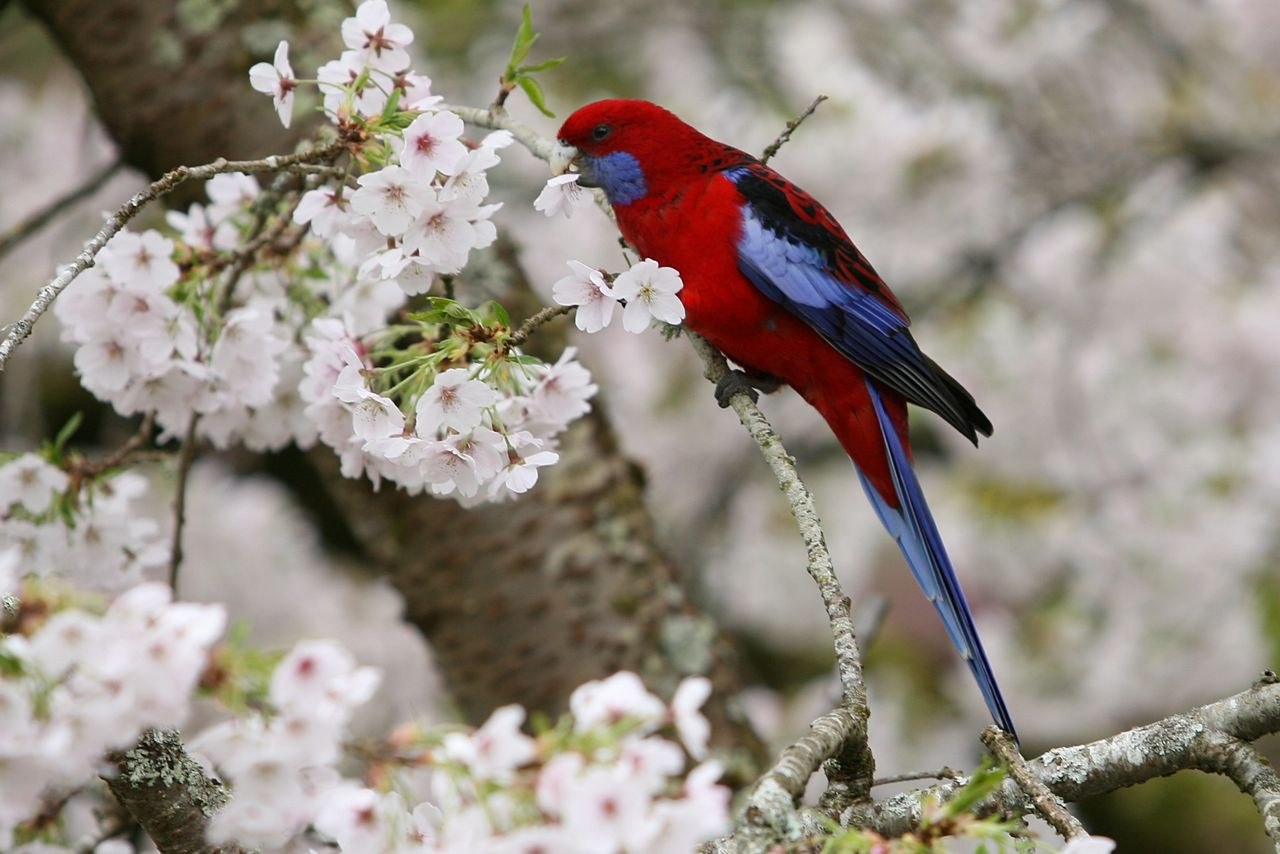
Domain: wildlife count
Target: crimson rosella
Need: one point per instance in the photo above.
(772, 280)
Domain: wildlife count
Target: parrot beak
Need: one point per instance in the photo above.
(562, 158)
(566, 158)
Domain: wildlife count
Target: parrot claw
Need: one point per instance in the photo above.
(734, 383)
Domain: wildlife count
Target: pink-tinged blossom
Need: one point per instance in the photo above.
(496, 749)
(324, 208)
(701, 814)
(563, 390)
(375, 39)
(244, 358)
(417, 91)
(376, 417)
(393, 198)
(561, 195)
(30, 482)
(199, 229)
(650, 761)
(82, 309)
(321, 672)
(447, 470)
(140, 260)
(231, 193)
(432, 144)
(276, 79)
(586, 289)
(360, 820)
(443, 236)
(554, 780)
(486, 448)
(609, 809)
(453, 402)
(521, 473)
(620, 697)
(650, 292)
(693, 727)
(106, 364)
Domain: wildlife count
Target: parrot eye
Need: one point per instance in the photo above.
(600, 132)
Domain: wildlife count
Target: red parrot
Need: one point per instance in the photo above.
(773, 281)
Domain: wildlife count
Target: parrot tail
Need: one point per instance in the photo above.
(912, 525)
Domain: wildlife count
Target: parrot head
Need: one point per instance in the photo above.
(630, 149)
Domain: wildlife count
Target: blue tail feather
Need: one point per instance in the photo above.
(912, 525)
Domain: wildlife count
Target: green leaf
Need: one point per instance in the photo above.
(525, 37)
(495, 313)
(67, 431)
(985, 780)
(546, 65)
(392, 105)
(534, 91)
(400, 120)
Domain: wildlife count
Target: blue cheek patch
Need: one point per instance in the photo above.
(620, 176)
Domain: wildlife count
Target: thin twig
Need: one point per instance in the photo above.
(526, 329)
(1049, 805)
(539, 146)
(849, 660)
(943, 773)
(185, 459)
(785, 136)
(20, 329)
(851, 767)
(41, 218)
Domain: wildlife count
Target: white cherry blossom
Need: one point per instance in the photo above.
(432, 144)
(650, 292)
(453, 402)
(586, 289)
(375, 39)
(620, 697)
(561, 195)
(276, 79)
(30, 482)
(393, 197)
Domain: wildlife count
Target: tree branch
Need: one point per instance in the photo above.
(168, 794)
(1049, 805)
(20, 329)
(1193, 740)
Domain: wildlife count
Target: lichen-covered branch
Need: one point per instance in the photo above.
(1195, 740)
(168, 794)
(1049, 805)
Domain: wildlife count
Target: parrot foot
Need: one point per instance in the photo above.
(740, 382)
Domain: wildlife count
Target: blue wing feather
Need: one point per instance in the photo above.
(799, 258)
(912, 525)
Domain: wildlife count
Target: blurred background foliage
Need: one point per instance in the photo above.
(1077, 201)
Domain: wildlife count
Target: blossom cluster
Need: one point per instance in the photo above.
(81, 684)
(94, 536)
(281, 764)
(295, 344)
(604, 780)
(647, 290)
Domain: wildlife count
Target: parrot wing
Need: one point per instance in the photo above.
(796, 253)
